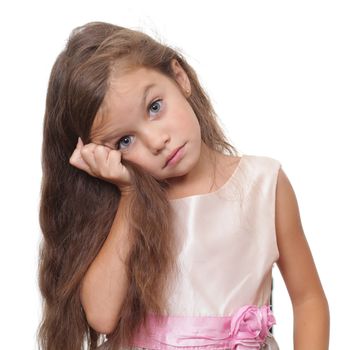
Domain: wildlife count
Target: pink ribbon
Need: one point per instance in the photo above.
(247, 329)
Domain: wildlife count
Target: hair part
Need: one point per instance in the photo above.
(77, 210)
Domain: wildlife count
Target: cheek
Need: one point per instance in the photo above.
(191, 118)
(186, 120)
(137, 156)
(193, 124)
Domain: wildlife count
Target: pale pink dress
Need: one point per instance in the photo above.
(226, 251)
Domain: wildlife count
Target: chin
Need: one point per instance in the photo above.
(181, 173)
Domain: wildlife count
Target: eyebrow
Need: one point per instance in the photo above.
(145, 93)
(110, 136)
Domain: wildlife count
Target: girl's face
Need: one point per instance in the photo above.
(146, 116)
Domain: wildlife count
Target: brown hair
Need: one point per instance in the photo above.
(77, 210)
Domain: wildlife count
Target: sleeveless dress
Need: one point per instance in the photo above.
(220, 295)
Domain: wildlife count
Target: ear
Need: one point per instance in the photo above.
(181, 77)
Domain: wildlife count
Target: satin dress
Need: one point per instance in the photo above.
(226, 249)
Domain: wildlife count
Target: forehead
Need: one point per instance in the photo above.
(131, 81)
(125, 97)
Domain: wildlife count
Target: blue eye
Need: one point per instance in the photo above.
(155, 107)
(124, 142)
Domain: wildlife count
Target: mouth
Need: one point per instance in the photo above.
(172, 155)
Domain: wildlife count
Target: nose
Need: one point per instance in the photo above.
(156, 140)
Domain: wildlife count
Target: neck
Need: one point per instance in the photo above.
(203, 171)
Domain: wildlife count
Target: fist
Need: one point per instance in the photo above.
(102, 162)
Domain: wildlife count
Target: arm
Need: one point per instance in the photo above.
(310, 306)
(104, 285)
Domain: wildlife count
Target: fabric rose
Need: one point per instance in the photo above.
(250, 326)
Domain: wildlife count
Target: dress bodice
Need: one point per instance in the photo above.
(226, 247)
(226, 243)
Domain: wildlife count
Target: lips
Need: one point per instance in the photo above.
(172, 155)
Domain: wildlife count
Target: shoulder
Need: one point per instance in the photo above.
(225, 166)
(257, 162)
(261, 161)
(261, 169)
(268, 170)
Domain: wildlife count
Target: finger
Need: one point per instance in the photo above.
(80, 144)
(114, 162)
(114, 158)
(87, 154)
(77, 161)
(101, 152)
(101, 155)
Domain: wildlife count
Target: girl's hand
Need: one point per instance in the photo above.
(102, 162)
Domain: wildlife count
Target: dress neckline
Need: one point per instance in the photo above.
(221, 188)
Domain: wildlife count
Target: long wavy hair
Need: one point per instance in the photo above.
(77, 210)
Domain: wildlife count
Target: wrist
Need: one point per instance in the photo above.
(126, 191)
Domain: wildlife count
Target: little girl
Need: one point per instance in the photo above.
(156, 233)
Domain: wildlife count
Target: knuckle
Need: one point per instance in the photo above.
(73, 160)
(103, 173)
(84, 151)
(109, 174)
(115, 154)
(99, 148)
(89, 147)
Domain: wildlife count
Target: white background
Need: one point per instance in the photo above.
(278, 74)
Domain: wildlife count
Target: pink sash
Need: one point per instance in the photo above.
(247, 329)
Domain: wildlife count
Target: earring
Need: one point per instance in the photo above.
(188, 93)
